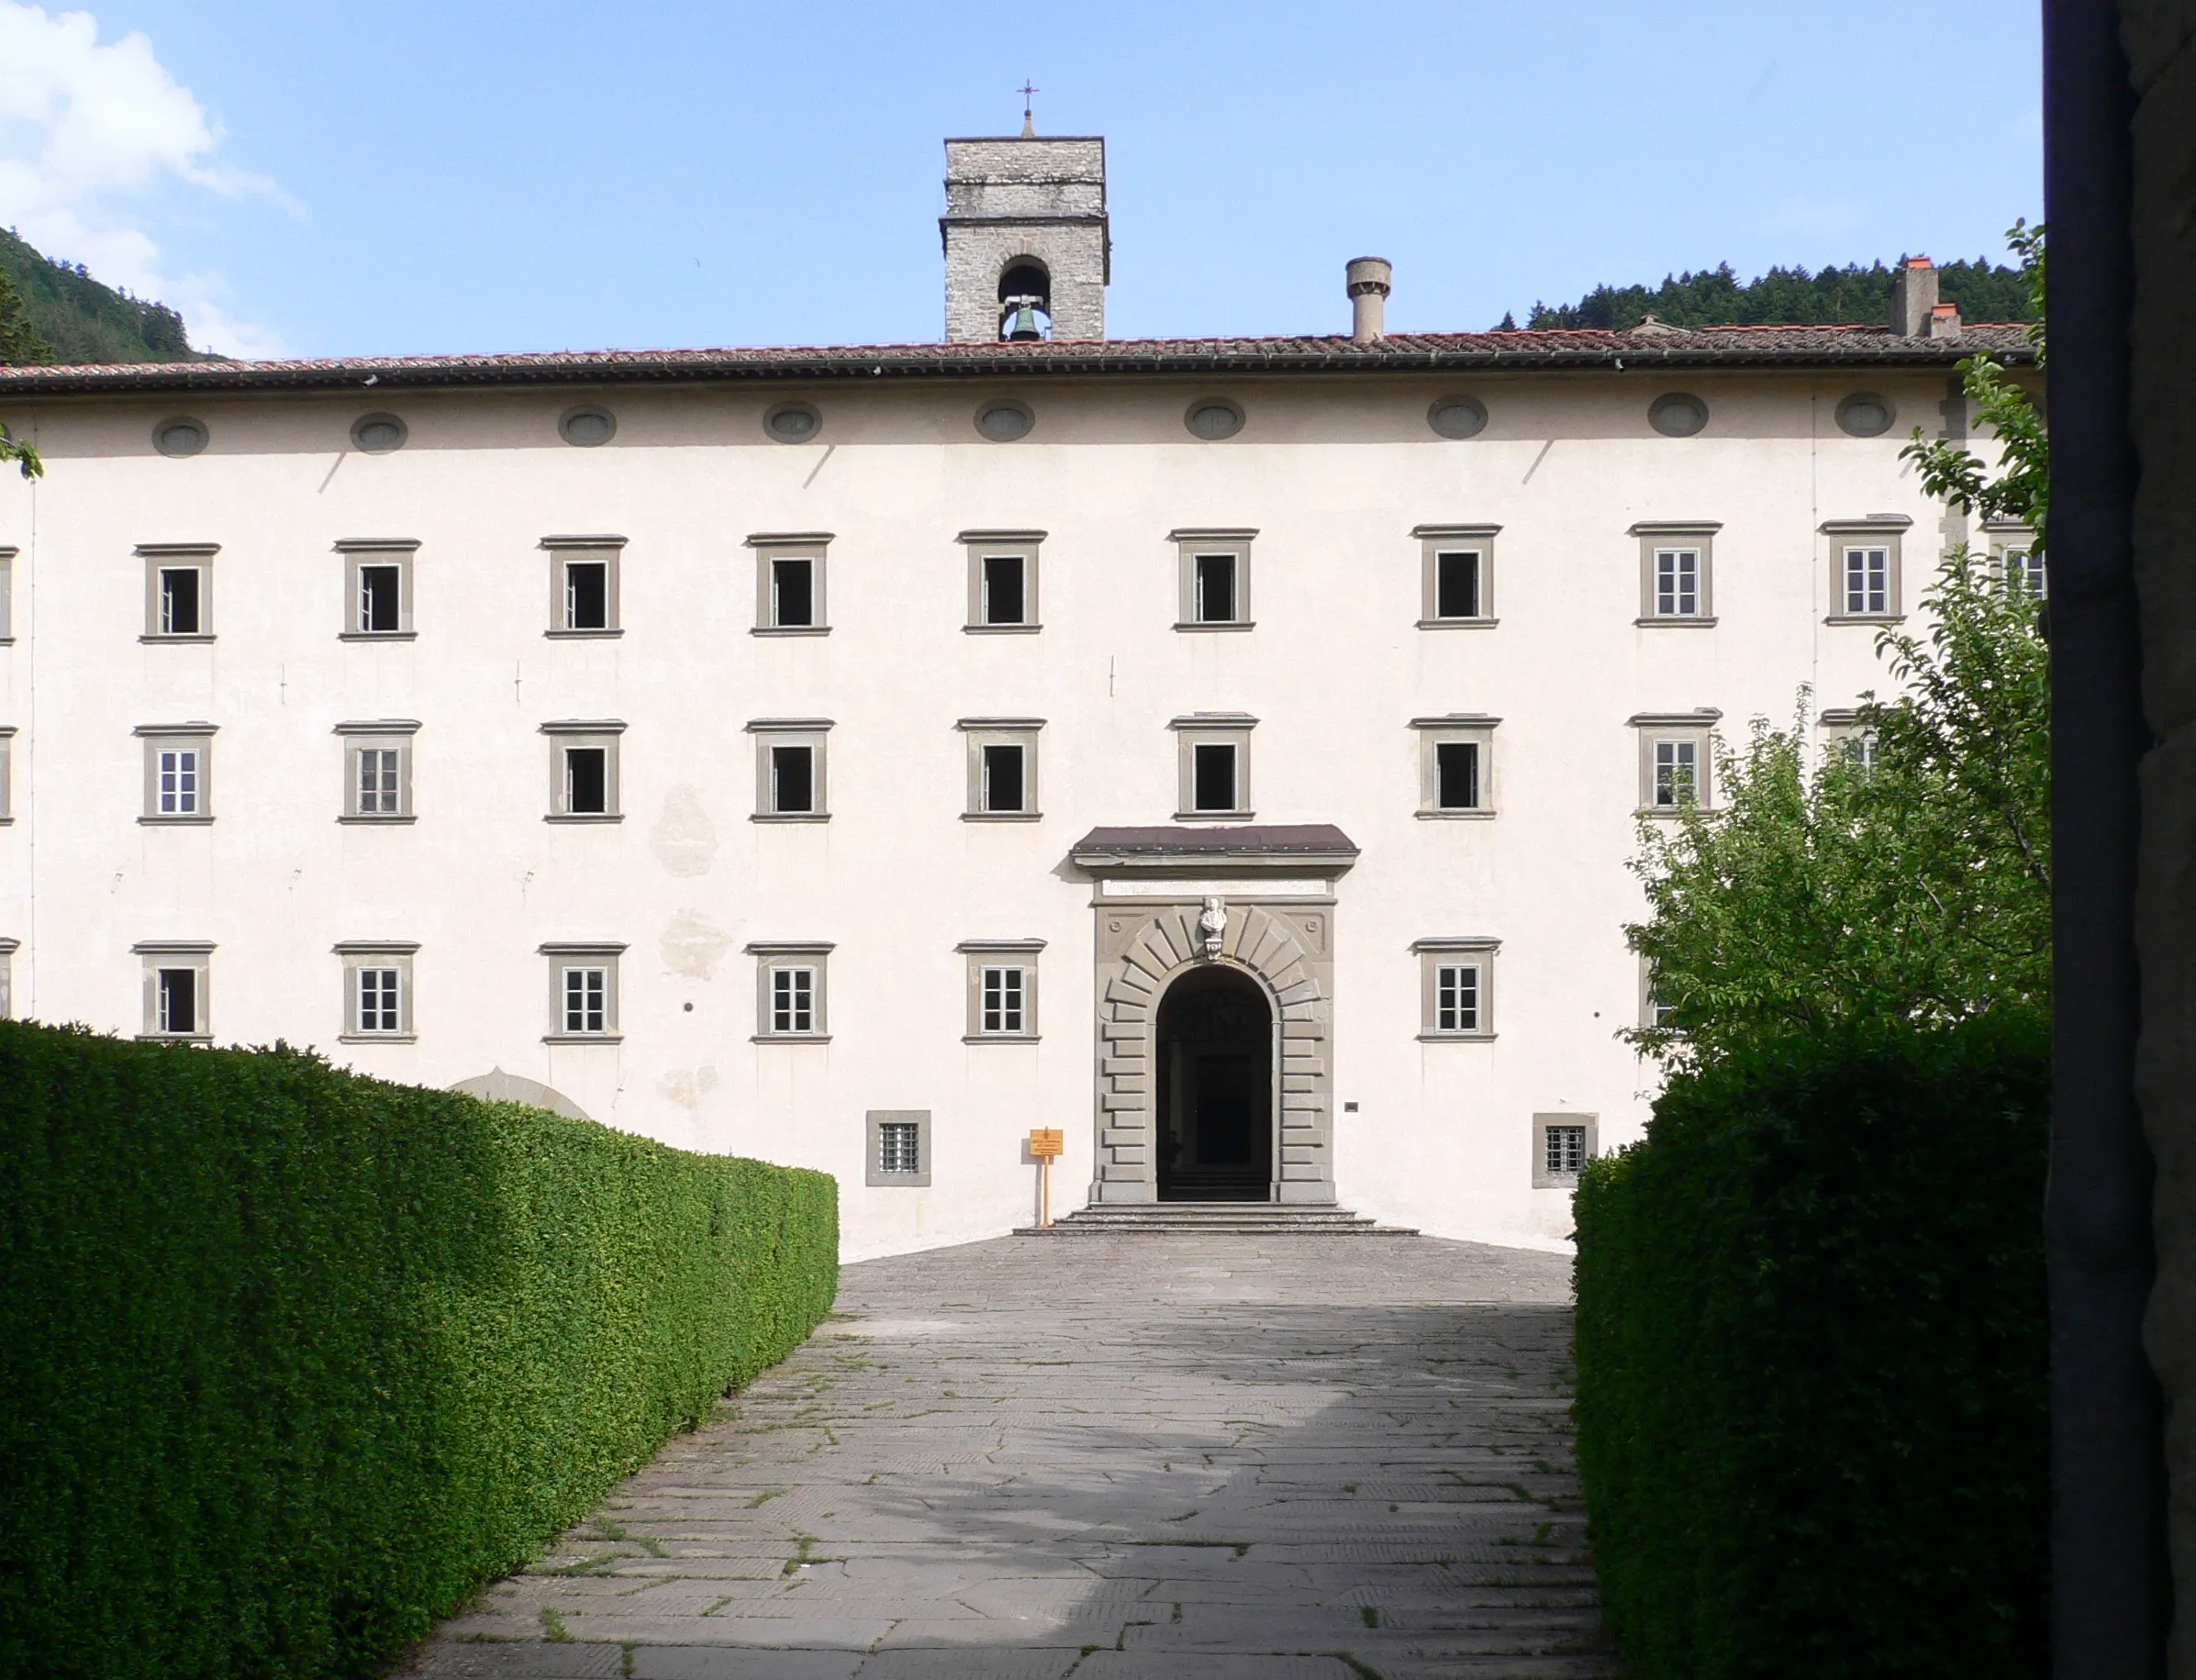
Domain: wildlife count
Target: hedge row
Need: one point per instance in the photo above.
(1811, 1363)
(291, 1361)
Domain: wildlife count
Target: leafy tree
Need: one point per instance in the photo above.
(1910, 882)
(1851, 295)
(19, 340)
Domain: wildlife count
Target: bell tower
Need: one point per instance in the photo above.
(1026, 248)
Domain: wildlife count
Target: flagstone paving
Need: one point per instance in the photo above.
(1174, 1457)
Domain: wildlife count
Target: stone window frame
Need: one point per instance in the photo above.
(2005, 537)
(1434, 540)
(1698, 535)
(7, 780)
(1699, 726)
(1456, 728)
(564, 954)
(1474, 951)
(873, 1176)
(771, 956)
(1842, 729)
(1190, 543)
(358, 554)
(1196, 729)
(8, 595)
(1002, 953)
(607, 551)
(566, 734)
(175, 954)
(359, 954)
(164, 737)
(383, 734)
(1880, 530)
(164, 557)
(1542, 1178)
(773, 546)
(810, 732)
(9, 946)
(982, 732)
(1024, 546)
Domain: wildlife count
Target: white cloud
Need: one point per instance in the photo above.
(87, 131)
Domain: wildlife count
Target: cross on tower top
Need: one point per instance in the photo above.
(1028, 125)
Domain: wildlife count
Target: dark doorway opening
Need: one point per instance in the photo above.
(1216, 1089)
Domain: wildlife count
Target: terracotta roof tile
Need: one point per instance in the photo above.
(1456, 352)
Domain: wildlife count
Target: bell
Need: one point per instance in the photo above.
(1025, 325)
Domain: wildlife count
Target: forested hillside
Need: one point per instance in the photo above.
(1851, 295)
(66, 316)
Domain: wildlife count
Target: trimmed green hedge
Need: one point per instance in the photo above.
(291, 1361)
(1811, 1363)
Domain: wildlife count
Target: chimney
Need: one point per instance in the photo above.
(1913, 298)
(1943, 320)
(1368, 278)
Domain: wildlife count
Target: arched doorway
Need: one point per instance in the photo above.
(1215, 1043)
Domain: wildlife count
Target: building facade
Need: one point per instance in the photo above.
(1225, 751)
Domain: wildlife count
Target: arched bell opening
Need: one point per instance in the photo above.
(1214, 1040)
(1025, 299)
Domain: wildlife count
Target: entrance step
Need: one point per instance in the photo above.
(1235, 1218)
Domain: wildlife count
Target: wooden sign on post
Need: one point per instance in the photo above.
(1046, 1144)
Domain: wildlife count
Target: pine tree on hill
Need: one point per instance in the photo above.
(19, 341)
(1851, 295)
(78, 320)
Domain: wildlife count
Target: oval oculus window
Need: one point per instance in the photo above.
(1678, 415)
(793, 422)
(1457, 416)
(1213, 418)
(180, 436)
(1866, 414)
(378, 434)
(587, 426)
(1004, 422)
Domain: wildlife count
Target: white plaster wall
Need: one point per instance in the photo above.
(1333, 473)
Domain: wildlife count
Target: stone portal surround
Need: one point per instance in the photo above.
(1141, 948)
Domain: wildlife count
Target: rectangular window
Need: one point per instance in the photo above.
(1003, 594)
(8, 979)
(1002, 1000)
(1561, 1145)
(584, 763)
(1456, 584)
(1456, 775)
(793, 592)
(1867, 581)
(587, 594)
(899, 1147)
(1677, 772)
(1215, 777)
(377, 990)
(179, 588)
(1216, 588)
(7, 595)
(793, 1000)
(7, 779)
(1003, 778)
(1859, 749)
(380, 781)
(586, 1000)
(380, 578)
(178, 1001)
(587, 781)
(1677, 582)
(1214, 571)
(1456, 997)
(380, 599)
(2024, 570)
(178, 781)
(1564, 1151)
(793, 781)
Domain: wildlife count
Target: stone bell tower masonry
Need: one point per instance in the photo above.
(1025, 220)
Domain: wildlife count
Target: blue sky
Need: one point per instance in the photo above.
(408, 178)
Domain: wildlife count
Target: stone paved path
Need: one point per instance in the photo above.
(1194, 1458)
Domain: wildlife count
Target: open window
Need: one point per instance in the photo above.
(1456, 570)
(378, 576)
(583, 770)
(1002, 768)
(1214, 766)
(791, 783)
(583, 585)
(179, 591)
(1002, 580)
(789, 583)
(1457, 763)
(1215, 579)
